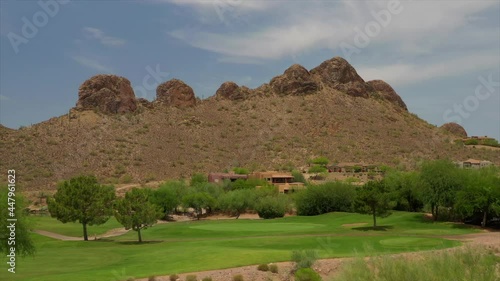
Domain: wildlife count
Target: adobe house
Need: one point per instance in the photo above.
(473, 164)
(284, 181)
(220, 177)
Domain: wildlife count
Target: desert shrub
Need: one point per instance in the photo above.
(207, 279)
(273, 268)
(191, 278)
(272, 207)
(173, 277)
(152, 278)
(298, 176)
(471, 142)
(238, 277)
(325, 198)
(241, 171)
(476, 264)
(304, 259)
(307, 274)
(263, 267)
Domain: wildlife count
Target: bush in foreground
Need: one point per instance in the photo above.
(263, 267)
(478, 264)
(238, 277)
(273, 268)
(191, 278)
(307, 274)
(173, 277)
(304, 259)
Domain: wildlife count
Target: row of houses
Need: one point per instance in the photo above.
(284, 181)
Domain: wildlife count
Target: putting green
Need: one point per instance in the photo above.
(258, 227)
(405, 242)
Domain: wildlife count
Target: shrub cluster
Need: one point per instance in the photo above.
(325, 198)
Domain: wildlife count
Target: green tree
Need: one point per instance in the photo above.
(135, 211)
(198, 178)
(373, 198)
(408, 188)
(321, 161)
(84, 200)
(442, 180)
(199, 201)
(480, 194)
(166, 198)
(298, 177)
(237, 201)
(325, 198)
(271, 207)
(317, 169)
(24, 245)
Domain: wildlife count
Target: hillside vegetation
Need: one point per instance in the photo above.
(279, 124)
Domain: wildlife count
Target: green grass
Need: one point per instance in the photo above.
(71, 229)
(205, 245)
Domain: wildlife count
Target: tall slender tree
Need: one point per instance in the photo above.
(84, 200)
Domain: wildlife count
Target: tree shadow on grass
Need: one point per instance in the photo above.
(140, 243)
(377, 228)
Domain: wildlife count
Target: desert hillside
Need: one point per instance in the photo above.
(298, 115)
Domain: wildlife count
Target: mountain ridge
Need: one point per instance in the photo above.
(328, 111)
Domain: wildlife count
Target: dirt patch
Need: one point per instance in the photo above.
(355, 224)
(110, 233)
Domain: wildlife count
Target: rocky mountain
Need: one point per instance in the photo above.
(329, 110)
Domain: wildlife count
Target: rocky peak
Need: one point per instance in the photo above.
(107, 93)
(387, 92)
(231, 91)
(455, 129)
(296, 81)
(338, 74)
(175, 93)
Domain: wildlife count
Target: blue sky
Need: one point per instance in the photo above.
(442, 57)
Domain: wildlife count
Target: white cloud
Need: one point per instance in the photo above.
(4, 98)
(93, 64)
(408, 73)
(95, 33)
(427, 39)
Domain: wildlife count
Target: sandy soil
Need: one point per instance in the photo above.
(110, 233)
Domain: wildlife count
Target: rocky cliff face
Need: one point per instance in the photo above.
(108, 94)
(296, 81)
(113, 94)
(338, 74)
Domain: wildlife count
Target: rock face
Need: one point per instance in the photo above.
(455, 129)
(175, 93)
(231, 91)
(387, 92)
(145, 103)
(296, 81)
(338, 74)
(108, 93)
